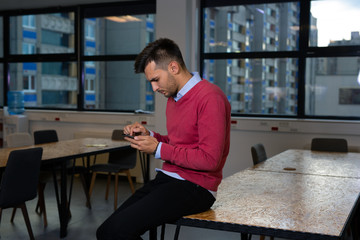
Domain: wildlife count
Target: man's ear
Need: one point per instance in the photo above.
(173, 67)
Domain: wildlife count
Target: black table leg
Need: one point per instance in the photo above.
(153, 234)
(63, 205)
(145, 164)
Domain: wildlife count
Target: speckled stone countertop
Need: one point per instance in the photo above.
(68, 148)
(302, 203)
(314, 162)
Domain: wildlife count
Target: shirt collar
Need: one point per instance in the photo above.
(188, 86)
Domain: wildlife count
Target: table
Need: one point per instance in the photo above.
(62, 151)
(313, 162)
(314, 201)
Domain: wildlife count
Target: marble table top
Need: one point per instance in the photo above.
(301, 203)
(314, 162)
(69, 148)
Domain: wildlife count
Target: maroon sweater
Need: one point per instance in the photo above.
(198, 137)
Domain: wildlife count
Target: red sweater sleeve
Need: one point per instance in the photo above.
(161, 138)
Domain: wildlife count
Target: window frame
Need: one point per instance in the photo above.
(304, 52)
(80, 13)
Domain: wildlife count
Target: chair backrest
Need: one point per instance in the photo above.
(258, 153)
(19, 139)
(329, 144)
(126, 156)
(21, 177)
(117, 134)
(45, 136)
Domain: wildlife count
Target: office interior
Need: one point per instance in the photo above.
(178, 20)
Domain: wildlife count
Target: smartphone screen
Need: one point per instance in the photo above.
(129, 136)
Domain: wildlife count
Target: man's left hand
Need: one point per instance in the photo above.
(145, 144)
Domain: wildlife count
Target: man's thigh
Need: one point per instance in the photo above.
(157, 204)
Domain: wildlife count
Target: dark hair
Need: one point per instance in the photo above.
(162, 52)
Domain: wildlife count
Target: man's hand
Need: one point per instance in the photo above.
(145, 144)
(136, 129)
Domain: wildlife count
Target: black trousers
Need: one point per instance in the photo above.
(159, 201)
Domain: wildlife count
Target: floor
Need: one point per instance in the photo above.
(84, 221)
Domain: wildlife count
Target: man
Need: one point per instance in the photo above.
(194, 151)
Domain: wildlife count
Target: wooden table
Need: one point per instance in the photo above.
(62, 151)
(316, 201)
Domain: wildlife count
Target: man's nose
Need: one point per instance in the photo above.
(155, 87)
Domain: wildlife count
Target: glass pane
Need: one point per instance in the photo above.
(245, 28)
(1, 38)
(47, 84)
(333, 86)
(1, 84)
(335, 23)
(106, 35)
(115, 86)
(257, 86)
(42, 34)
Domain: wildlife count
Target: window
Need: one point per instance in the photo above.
(29, 82)
(59, 84)
(339, 25)
(42, 33)
(28, 21)
(28, 48)
(1, 84)
(1, 38)
(281, 60)
(46, 47)
(332, 86)
(1, 59)
(110, 81)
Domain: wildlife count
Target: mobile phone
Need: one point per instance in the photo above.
(128, 135)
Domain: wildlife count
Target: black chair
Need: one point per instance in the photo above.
(45, 136)
(258, 153)
(47, 173)
(329, 144)
(120, 161)
(41, 137)
(19, 182)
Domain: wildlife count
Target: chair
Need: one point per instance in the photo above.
(41, 137)
(258, 153)
(49, 136)
(19, 182)
(45, 136)
(329, 144)
(19, 139)
(120, 161)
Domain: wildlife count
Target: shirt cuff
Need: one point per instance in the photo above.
(158, 151)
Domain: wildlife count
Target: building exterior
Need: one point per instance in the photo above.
(264, 85)
(109, 85)
(335, 83)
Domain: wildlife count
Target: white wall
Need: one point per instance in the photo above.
(176, 19)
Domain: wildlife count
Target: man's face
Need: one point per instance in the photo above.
(161, 80)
